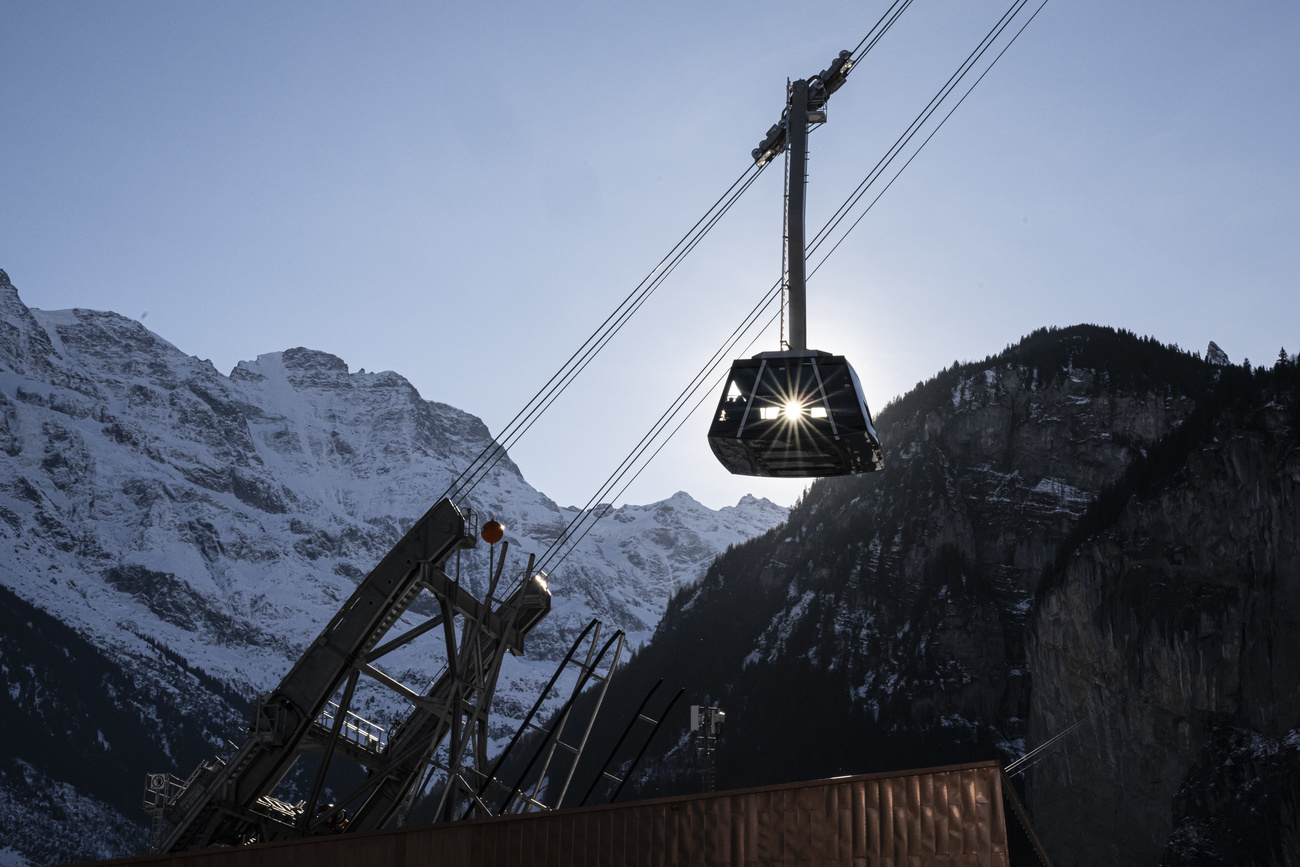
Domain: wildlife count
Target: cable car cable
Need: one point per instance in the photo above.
(564, 372)
(726, 350)
(856, 56)
(504, 443)
(684, 418)
(1034, 756)
(664, 420)
(920, 119)
(926, 113)
(799, 412)
(935, 103)
(631, 311)
(541, 401)
(888, 19)
(927, 139)
(494, 451)
(586, 353)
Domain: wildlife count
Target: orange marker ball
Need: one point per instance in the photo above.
(492, 532)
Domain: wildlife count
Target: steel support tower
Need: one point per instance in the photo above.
(231, 801)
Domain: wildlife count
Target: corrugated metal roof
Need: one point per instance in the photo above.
(927, 818)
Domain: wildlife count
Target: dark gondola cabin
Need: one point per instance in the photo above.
(798, 413)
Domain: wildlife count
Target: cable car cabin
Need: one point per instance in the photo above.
(798, 413)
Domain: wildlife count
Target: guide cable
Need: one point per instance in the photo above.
(492, 454)
(920, 120)
(593, 511)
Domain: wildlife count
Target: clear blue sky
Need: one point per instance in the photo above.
(461, 192)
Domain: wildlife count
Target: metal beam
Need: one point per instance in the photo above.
(797, 140)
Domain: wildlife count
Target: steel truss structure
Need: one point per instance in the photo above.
(536, 780)
(444, 737)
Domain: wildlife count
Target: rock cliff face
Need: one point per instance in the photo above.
(1088, 522)
(1177, 622)
(189, 532)
(883, 626)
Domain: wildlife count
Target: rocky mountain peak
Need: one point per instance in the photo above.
(300, 366)
(27, 348)
(23, 343)
(311, 370)
(1215, 355)
(194, 531)
(301, 358)
(111, 344)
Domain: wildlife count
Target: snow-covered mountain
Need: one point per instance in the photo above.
(192, 531)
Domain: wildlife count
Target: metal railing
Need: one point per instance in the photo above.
(357, 730)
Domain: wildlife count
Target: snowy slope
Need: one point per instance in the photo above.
(159, 507)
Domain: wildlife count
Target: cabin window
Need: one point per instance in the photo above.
(735, 398)
(739, 387)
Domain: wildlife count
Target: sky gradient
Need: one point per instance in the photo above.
(462, 192)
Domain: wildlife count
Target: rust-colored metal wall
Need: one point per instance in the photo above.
(931, 818)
